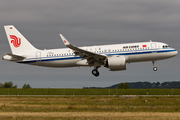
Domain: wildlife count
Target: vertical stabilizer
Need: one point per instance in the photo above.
(18, 43)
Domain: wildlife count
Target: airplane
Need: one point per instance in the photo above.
(114, 56)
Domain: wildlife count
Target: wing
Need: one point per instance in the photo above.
(90, 56)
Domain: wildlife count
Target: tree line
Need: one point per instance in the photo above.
(127, 85)
(10, 85)
(141, 85)
(123, 86)
(155, 85)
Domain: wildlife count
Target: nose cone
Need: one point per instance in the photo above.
(174, 53)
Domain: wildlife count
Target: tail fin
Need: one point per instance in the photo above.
(18, 43)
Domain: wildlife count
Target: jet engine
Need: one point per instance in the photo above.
(115, 63)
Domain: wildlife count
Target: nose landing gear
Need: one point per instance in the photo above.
(154, 68)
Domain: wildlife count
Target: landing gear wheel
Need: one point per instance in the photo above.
(155, 68)
(95, 72)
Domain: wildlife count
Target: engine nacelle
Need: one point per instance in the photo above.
(115, 63)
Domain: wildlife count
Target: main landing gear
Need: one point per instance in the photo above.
(95, 72)
(154, 68)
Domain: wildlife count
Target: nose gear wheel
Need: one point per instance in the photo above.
(154, 68)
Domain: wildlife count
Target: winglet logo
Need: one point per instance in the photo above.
(16, 41)
(64, 41)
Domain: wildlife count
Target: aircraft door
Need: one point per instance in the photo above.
(109, 51)
(38, 56)
(105, 52)
(153, 47)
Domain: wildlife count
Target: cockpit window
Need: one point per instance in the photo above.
(166, 46)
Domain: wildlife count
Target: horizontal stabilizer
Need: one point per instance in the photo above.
(13, 57)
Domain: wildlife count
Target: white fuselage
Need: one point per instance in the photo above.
(114, 57)
(133, 52)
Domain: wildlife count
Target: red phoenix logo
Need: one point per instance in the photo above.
(16, 41)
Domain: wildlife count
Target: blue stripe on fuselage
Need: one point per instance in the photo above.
(113, 53)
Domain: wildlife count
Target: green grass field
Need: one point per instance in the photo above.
(89, 108)
(5, 91)
(89, 103)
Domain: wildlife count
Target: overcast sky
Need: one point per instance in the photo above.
(90, 22)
